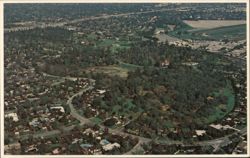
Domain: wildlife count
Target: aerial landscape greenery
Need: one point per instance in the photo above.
(125, 79)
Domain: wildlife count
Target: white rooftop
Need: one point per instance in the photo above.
(13, 116)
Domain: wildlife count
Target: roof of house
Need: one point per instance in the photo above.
(104, 142)
(111, 146)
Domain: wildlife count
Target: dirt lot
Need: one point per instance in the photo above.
(210, 24)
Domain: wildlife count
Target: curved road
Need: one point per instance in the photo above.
(141, 140)
(84, 120)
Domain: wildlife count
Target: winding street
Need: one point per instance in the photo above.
(141, 140)
(83, 120)
(73, 111)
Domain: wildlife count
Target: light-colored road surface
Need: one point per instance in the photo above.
(73, 112)
(222, 139)
(47, 133)
(136, 148)
(40, 134)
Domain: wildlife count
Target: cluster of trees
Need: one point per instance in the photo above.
(151, 53)
(182, 92)
(55, 12)
(155, 148)
(50, 34)
(167, 95)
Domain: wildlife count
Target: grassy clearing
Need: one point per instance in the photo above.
(120, 70)
(128, 104)
(236, 32)
(221, 111)
(112, 70)
(126, 109)
(210, 24)
(120, 45)
(91, 36)
(105, 43)
(181, 31)
(228, 32)
(128, 66)
(115, 46)
(96, 120)
(164, 37)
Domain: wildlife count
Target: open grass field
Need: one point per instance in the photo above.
(237, 32)
(164, 37)
(233, 32)
(210, 24)
(115, 45)
(128, 66)
(109, 70)
(181, 32)
(220, 111)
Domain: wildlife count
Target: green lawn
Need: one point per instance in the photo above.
(115, 45)
(228, 32)
(181, 32)
(96, 120)
(91, 36)
(236, 32)
(128, 66)
(105, 43)
(218, 113)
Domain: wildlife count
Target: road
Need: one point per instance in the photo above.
(90, 86)
(119, 131)
(136, 148)
(83, 120)
(60, 24)
(222, 139)
(73, 111)
(47, 133)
